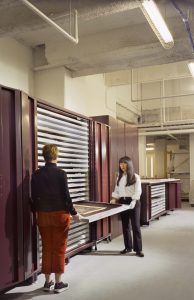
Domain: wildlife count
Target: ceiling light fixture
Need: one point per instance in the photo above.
(157, 23)
(150, 149)
(191, 68)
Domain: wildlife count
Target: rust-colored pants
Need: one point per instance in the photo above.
(53, 227)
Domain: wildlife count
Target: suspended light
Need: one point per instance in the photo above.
(157, 23)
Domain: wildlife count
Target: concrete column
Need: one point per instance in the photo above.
(142, 156)
(160, 158)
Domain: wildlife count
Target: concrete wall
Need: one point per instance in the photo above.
(88, 95)
(16, 62)
(50, 85)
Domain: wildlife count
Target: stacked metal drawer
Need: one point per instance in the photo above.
(71, 134)
(158, 199)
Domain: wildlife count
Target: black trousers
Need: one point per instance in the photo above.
(131, 220)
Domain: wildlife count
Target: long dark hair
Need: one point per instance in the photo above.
(130, 171)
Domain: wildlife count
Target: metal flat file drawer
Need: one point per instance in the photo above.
(71, 134)
(158, 199)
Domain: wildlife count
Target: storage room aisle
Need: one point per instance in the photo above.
(166, 271)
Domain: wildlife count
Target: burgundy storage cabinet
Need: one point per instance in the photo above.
(84, 152)
(158, 196)
(18, 253)
(123, 141)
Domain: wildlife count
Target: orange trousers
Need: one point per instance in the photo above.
(53, 228)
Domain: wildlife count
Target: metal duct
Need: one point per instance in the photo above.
(167, 132)
(186, 23)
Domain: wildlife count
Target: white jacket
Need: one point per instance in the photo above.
(134, 191)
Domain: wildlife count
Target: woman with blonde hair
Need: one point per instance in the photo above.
(52, 202)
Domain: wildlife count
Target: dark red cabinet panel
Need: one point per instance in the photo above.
(101, 180)
(18, 259)
(11, 234)
(151, 202)
(28, 163)
(123, 141)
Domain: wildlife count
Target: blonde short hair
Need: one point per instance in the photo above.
(50, 152)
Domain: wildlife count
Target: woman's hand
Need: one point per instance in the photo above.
(113, 201)
(79, 218)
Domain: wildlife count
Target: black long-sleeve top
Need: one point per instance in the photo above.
(49, 190)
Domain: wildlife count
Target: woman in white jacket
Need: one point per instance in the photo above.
(128, 191)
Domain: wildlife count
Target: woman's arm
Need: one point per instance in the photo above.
(67, 197)
(137, 193)
(115, 194)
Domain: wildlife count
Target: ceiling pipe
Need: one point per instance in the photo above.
(166, 132)
(163, 97)
(186, 23)
(173, 137)
(52, 23)
(159, 97)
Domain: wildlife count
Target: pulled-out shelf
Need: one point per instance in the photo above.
(94, 211)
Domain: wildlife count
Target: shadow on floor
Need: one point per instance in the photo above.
(24, 296)
(108, 253)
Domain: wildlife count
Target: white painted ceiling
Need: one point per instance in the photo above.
(113, 35)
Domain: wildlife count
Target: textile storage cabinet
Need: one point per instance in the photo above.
(159, 196)
(101, 175)
(26, 125)
(123, 141)
(84, 155)
(71, 133)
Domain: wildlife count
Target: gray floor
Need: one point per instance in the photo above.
(166, 271)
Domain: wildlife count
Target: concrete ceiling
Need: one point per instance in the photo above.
(113, 35)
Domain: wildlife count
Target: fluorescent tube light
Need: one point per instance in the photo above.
(157, 23)
(191, 68)
(150, 149)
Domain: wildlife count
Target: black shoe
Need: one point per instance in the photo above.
(48, 286)
(124, 251)
(140, 254)
(60, 287)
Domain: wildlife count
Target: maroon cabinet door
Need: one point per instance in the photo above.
(145, 204)
(178, 195)
(97, 163)
(11, 236)
(102, 173)
(171, 195)
(28, 163)
(18, 259)
(123, 141)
